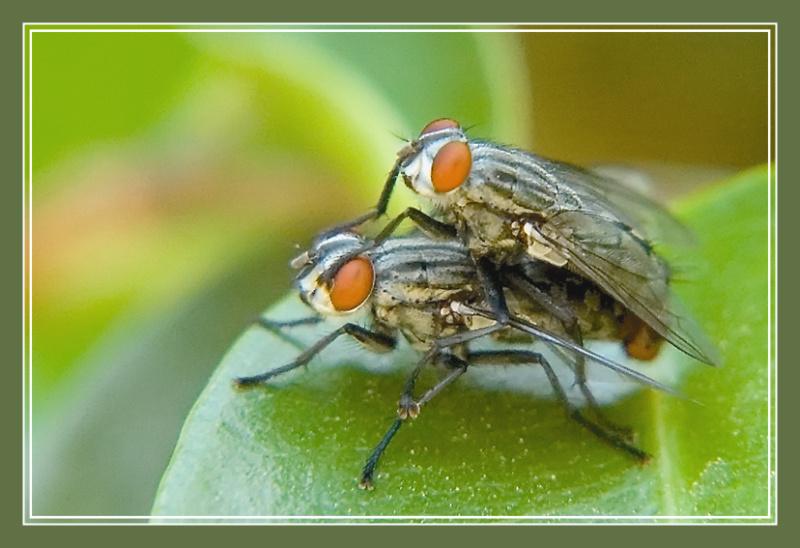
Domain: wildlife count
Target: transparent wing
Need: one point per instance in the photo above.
(626, 267)
(624, 202)
(548, 187)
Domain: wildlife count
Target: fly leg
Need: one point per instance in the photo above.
(427, 224)
(378, 342)
(492, 288)
(378, 210)
(548, 337)
(408, 406)
(561, 310)
(274, 325)
(457, 368)
(380, 207)
(277, 327)
(599, 429)
(369, 468)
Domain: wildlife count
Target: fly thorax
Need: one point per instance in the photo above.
(487, 235)
(389, 293)
(421, 326)
(538, 246)
(417, 329)
(385, 315)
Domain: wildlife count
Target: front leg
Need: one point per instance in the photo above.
(428, 225)
(375, 341)
(380, 207)
(276, 327)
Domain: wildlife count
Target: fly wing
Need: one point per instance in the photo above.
(606, 252)
(627, 204)
(548, 187)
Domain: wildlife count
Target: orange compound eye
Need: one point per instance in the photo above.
(451, 166)
(352, 284)
(436, 125)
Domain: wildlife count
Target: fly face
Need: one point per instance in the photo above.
(404, 284)
(438, 162)
(510, 205)
(331, 280)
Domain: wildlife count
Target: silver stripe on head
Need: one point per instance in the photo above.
(315, 264)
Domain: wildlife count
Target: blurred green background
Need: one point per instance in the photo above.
(175, 173)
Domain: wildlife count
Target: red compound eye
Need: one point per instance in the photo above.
(451, 166)
(352, 284)
(436, 125)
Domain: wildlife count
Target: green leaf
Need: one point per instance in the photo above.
(296, 448)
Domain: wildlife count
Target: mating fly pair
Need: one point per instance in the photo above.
(523, 246)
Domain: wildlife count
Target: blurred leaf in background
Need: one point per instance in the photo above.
(174, 173)
(163, 225)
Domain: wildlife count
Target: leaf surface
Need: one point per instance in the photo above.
(296, 448)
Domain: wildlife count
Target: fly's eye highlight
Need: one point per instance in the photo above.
(451, 166)
(352, 284)
(436, 125)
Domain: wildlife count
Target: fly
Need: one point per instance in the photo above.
(428, 291)
(508, 206)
